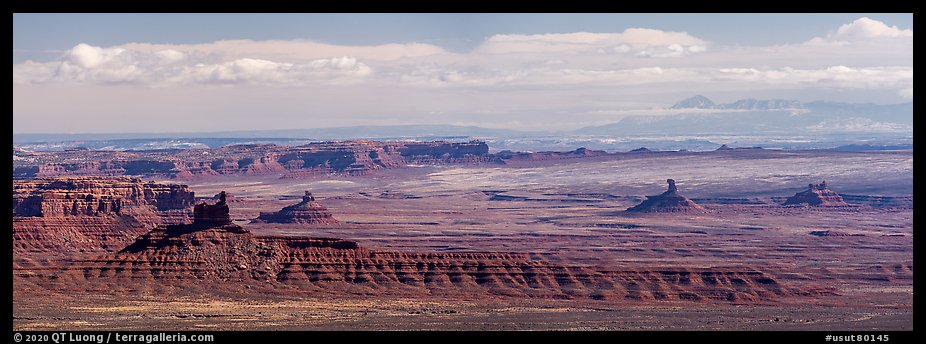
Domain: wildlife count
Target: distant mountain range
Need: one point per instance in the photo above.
(337, 133)
(699, 115)
(696, 123)
(702, 102)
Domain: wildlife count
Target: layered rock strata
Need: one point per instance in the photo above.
(60, 216)
(344, 157)
(179, 259)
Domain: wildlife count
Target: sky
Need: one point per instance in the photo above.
(109, 73)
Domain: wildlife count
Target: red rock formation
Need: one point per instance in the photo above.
(307, 212)
(818, 196)
(221, 259)
(90, 196)
(541, 156)
(212, 256)
(263, 165)
(228, 197)
(444, 152)
(61, 216)
(670, 201)
(224, 166)
(344, 157)
(209, 215)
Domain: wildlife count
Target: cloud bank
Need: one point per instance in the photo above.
(561, 73)
(117, 65)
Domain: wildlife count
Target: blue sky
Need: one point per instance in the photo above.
(143, 72)
(34, 33)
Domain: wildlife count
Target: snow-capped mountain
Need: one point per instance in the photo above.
(696, 102)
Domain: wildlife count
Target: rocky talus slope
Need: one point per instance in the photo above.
(667, 202)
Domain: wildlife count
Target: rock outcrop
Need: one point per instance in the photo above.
(92, 196)
(214, 256)
(667, 202)
(582, 152)
(306, 212)
(214, 259)
(206, 215)
(228, 197)
(321, 158)
(61, 216)
(817, 195)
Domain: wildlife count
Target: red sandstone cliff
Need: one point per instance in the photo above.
(66, 215)
(218, 259)
(345, 157)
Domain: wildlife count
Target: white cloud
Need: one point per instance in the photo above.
(856, 124)
(631, 40)
(293, 50)
(864, 31)
(511, 75)
(865, 27)
(671, 50)
(161, 68)
(833, 76)
(96, 65)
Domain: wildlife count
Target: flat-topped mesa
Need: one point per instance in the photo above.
(81, 215)
(817, 195)
(352, 157)
(94, 196)
(306, 212)
(667, 202)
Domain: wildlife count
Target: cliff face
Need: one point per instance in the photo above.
(228, 260)
(79, 214)
(541, 156)
(91, 196)
(347, 157)
(444, 152)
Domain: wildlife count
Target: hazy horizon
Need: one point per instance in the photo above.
(177, 73)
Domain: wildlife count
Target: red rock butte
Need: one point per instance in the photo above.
(306, 212)
(818, 196)
(667, 202)
(205, 214)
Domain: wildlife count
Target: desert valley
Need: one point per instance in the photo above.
(421, 235)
